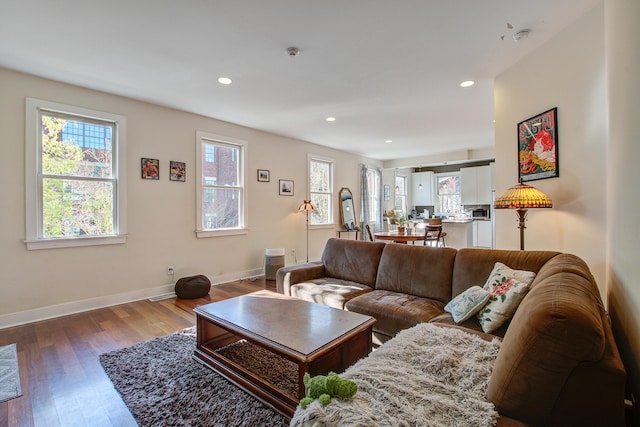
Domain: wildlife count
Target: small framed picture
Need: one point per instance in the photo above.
(386, 192)
(263, 175)
(178, 171)
(150, 168)
(538, 147)
(286, 187)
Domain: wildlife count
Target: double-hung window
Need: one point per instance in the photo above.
(321, 190)
(221, 203)
(449, 200)
(75, 176)
(400, 204)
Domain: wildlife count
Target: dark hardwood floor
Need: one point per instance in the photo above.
(63, 383)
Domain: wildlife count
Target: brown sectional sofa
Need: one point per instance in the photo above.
(558, 364)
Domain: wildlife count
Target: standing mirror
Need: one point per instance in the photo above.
(347, 210)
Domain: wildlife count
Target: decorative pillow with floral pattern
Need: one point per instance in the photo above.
(507, 287)
(467, 303)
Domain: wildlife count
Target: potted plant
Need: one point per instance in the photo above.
(401, 221)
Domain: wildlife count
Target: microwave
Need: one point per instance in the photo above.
(480, 213)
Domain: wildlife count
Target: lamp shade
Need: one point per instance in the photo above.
(522, 196)
(306, 206)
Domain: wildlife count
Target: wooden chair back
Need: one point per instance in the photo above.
(366, 226)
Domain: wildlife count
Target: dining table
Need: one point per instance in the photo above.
(403, 238)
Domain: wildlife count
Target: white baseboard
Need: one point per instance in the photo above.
(73, 307)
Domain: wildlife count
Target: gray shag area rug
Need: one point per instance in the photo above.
(425, 376)
(9, 373)
(162, 385)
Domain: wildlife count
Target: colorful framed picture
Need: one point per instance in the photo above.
(286, 187)
(538, 147)
(263, 175)
(150, 168)
(177, 171)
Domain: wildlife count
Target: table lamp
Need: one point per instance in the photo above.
(307, 207)
(522, 197)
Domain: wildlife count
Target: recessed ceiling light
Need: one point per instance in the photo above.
(330, 119)
(388, 141)
(467, 83)
(224, 80)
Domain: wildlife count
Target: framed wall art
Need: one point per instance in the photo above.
(263, 175)
(286, 187)
(177, 171)
(386, 192)
(150, 168)
(538, 147)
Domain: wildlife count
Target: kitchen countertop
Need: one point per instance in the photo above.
(457, 220)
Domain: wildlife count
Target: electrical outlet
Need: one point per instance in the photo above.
(170, 271)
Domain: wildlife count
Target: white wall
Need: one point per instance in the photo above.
(161, 214)
(567, 73)
(622, 36)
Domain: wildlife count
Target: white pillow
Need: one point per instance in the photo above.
(467, 303)
(503, 302)
(508, 287)
(502, 273)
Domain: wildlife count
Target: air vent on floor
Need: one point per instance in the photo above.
(161, 297)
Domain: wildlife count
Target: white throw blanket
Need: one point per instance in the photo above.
(425, 376)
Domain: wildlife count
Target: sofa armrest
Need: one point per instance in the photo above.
(287, 276)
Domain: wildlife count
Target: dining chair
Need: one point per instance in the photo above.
(366, 226)
(433, 233)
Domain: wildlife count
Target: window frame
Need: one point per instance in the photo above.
(331, 193)
(33, 176)
(438, 205)
(401, 193)
(243, 148)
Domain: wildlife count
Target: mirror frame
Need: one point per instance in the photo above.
(355, 219)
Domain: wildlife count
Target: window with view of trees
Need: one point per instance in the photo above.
(75, 175)
(400, 204)
(321, 190)
(449, 200)
(220, 199)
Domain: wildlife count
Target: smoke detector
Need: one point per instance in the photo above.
(293, 51)
(521, 35)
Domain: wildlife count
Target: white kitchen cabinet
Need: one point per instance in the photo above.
(475, 185)
(482, 234)
(422, 188)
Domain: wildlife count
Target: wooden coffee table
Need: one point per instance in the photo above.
(317, 338)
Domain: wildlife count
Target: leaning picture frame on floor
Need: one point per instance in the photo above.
(538, 147)
(285, 187)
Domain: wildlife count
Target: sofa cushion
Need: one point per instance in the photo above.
(422, 271)
(352, 260)
(328, 291)
(467, 303)
(473, 265)
(470, 325)
(394, 311)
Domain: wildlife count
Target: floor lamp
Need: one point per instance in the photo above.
(522, 197)
(307, 207)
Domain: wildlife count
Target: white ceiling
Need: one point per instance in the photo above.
(385, 69)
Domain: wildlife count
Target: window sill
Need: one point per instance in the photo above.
(75, 242)
(220, 233)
